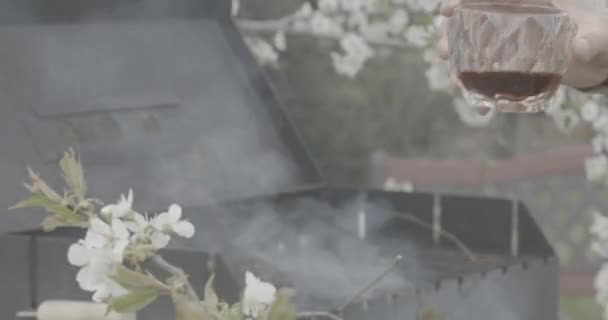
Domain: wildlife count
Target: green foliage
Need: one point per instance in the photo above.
(282, 308)
(186, 309)
(133, 280)
(134, 301)
(211, 297)
(71, 210)
(72, 174)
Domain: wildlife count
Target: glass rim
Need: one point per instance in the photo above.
(541, 9)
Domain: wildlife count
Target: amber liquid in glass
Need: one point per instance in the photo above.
(511, 86)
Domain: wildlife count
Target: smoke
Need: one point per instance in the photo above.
(172, 110)
(310, 245)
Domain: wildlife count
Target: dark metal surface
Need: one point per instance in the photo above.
(159, 96)
(38, 271)
(439, 280)
(496, 285)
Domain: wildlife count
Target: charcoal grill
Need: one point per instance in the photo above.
(514, 274)
(155, 95)
(171, 104)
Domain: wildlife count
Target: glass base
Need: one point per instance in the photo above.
(484, 104)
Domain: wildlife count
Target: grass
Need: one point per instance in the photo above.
(580, 308)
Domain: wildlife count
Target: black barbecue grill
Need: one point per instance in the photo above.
(163, 97)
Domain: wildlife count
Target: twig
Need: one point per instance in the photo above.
(162, 263)
(285, 25)
(468, 252)
(371, 284)
(317, 314)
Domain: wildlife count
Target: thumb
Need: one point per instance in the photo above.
(592, 48)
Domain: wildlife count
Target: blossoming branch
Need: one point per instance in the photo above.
(118, 240)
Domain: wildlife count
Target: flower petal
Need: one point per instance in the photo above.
(78, 255)
(130, 198)
(161, 221)
(119, 229)
(159, 240)
(86, 279)
(184, 229)
(102, 294)
(100, 227)
(118, 252)
(138, 224)
(94, 240)
(108, 209)
(175, 213)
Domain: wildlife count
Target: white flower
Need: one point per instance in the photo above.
(144, 231)
(590, 111)
(438, 77)
(103, 236)
(120, 209)
(566, 120)
(427, 6)
(601, 285)
(354, 45)
(398, 20)
(358, 20)
(347, 66)
(470, 116)
(170, 222)
(258, 295)
(417, 35)
(279, 41)
(97, 264)
(392, 184)
(376, 30)
(323, 25)
(601, 122)
(351, 5)
(263, 51)
(328, 6)
(599, 144)
(305, 10)
(596, 168)
(599, 226)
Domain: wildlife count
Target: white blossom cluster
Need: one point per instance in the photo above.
(257, 297)
(392, 184)
(599, 231)
(357, 25)
(114, 234)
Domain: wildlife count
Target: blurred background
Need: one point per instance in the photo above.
(394, 124)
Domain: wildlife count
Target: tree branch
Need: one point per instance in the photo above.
(371, 284)
(451, 237)
(163, 264)
(286, 25)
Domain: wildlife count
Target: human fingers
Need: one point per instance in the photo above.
(592, 48)
(447, 7)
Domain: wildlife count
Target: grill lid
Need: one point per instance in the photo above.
(159, 96)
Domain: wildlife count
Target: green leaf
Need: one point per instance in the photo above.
(210, 295)
(50, 223)
(185, 309)
(133, 280)
(39, 200)
(72, 173)
(282, 307)
(235, 312)
(134, 301)
(40, 186)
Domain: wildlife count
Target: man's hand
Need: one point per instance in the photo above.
(588, 66)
